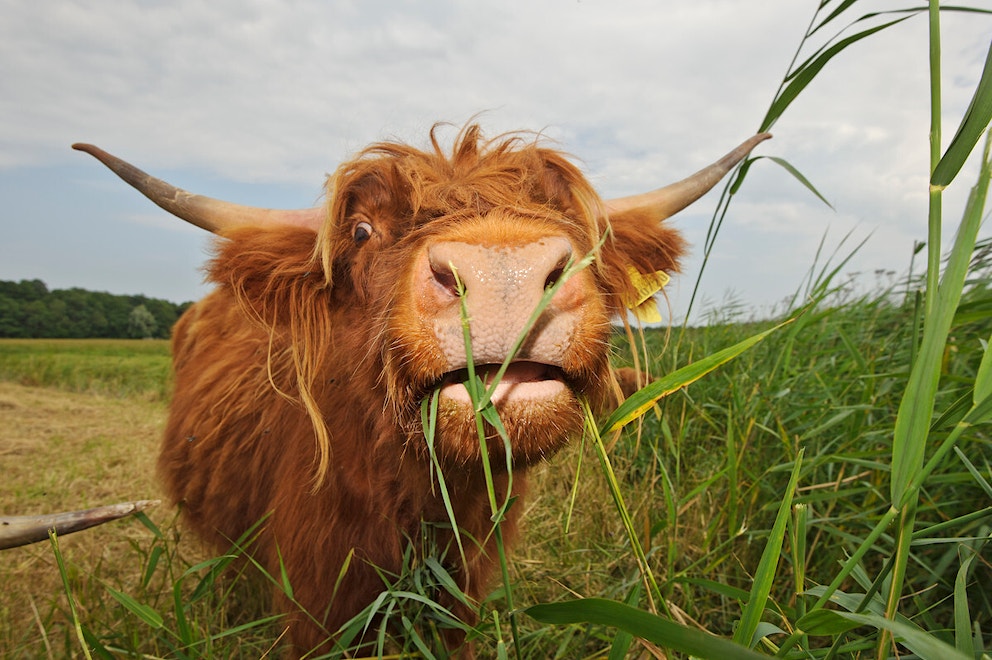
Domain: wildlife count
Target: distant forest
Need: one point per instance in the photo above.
(28, 309)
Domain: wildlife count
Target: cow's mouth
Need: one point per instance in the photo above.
(521, 380)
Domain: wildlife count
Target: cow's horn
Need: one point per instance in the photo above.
(217, 216)
(211, 214)
(22, 530)
(665, 202)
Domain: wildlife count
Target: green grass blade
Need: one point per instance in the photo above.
(764, 576)
(639, 623)
(448, 582)
(501, 652)
(844, 6)
(623, 640)
(983, 379)
(150, 567)
(143, 518)
(284, 581)
(919, 641)
(96, 647)
(962, 617)
(935, 209)
(654, 593)
(826, 593)
(144, 612)
(791, 169)
(976, 120)
(720, 588)
(643, 400)
(428, 419)
(824, 622)
(244, 627)
(68, 593)
(916, 408)
(975, 474)
(808, 72)
(182, 623)
(412, 635)
(738, 179)
(939, 528)
(800, 514)
(574, 494)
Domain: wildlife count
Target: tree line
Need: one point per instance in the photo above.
(29, 309)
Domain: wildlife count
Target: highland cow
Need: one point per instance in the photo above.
(299, 380)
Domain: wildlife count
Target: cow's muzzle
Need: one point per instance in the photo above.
(497, 288)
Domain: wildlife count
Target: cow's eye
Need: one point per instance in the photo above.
(362, 232)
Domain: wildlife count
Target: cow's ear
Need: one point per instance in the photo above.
(271, 273)
(563, 186)
(636, 251)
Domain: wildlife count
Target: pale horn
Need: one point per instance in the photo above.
(22, 530)
(666, 202)
(208, 213)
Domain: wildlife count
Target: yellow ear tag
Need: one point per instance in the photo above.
(643, 304)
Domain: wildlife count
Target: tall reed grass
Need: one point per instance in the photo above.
(929, 421)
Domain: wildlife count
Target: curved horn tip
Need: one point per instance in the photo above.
(94, 151)
(755, 140)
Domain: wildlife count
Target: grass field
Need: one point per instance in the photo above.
(116, 367)
(64, 450)
(702, 477)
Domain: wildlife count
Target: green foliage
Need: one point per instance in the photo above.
(919, 470)
(973, 125)
(703, 486)
(118, 367)
(655, 629)
(29, 310)
(179, 609)
(141, 323)
(825, 389)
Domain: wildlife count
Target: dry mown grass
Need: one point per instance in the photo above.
(61, 451)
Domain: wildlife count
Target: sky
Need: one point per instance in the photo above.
(255, 101)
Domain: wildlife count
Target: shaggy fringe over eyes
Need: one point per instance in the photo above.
(398, 184)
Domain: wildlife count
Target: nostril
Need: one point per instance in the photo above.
(445, 277)
(555, 274)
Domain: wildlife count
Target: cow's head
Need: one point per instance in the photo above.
(420, 240)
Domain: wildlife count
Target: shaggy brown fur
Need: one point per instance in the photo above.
(298, 381)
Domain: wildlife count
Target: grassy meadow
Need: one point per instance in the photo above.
(115, 367)
(701, 475)
(817, 485)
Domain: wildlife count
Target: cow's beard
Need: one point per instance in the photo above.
(536, 429)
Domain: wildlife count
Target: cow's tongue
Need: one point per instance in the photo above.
(516, 372)
(520, 380)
